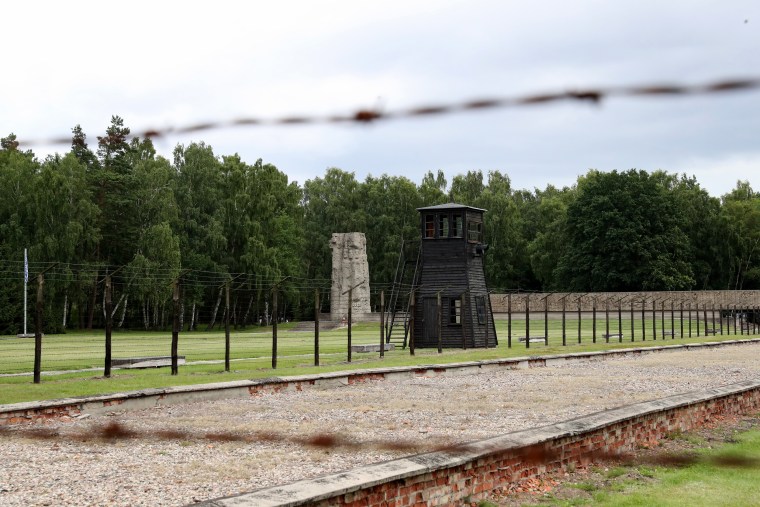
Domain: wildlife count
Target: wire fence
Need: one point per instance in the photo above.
(628, 317)
(100, 317)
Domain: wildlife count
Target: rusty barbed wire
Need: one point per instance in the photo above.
(368, 116)
(530, 454)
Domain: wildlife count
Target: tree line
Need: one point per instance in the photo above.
(120, 205)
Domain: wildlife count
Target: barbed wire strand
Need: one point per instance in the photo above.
(367, 116)
(538, 453)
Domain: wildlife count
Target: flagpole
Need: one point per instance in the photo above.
(26, 280)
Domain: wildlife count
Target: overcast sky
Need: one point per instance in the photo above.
(161, 63)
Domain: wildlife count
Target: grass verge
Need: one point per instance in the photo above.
(717, 466)
(251, 357)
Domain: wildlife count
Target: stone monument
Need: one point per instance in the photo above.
(349, 269)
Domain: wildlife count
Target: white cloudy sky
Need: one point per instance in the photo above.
(163, 63)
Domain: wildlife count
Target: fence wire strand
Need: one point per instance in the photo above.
(367, 116)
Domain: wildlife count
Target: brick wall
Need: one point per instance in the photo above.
(447, 478)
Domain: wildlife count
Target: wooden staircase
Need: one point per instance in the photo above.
(397, 310)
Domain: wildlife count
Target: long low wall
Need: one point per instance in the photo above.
(447, 478)
(727, 299)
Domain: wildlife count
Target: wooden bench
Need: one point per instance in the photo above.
(371, 348)
(533, 339)
(613, 335)
(145, 362)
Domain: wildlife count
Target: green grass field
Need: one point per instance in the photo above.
(711, 480)
(251, 352)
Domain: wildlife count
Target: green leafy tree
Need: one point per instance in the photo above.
(198, 191)
(19, 174)
(706, 250)
(199, 194)
(548, 245)
(9, 143)
(432, 189)
(390, 207)
(65, 231)
(467, 188)
(741, 220)
(80, 149)
(332, 204)
(526, 223)
(151, 247)
(624, 233)
(156, 261)
(111, 182)
(274, 246)
(113, 147)
(502, 232)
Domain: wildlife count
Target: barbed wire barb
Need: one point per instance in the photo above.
(367, 116)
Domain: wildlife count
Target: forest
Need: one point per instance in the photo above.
(120, 207)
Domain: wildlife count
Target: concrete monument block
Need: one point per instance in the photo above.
(349, 269)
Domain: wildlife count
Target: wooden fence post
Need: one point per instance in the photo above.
(350, 293)
(698, 319)
(462, 322)
(382, 324)
(109, 324)
(440, 324)
(546, 320)
(689, 310)
(227, 327)
(620, 320)
(316, 327)
(38, 329)
(713, 317)
(488, 310)
(527, 321)
(350, 308)
(509, 320)
(412, 309)
(564, 322)
(607, 319)
(275, 290)
(633, 325)
(175, 326)
(643, 320)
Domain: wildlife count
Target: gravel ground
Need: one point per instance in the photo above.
(170, 459)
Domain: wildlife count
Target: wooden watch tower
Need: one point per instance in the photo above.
(452, 267)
